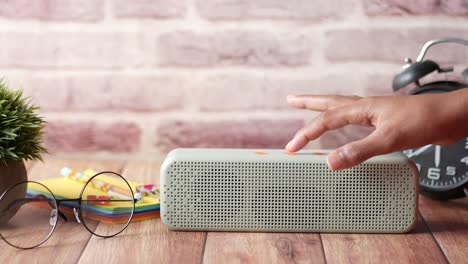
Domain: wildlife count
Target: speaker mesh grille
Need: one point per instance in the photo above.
(288, 197)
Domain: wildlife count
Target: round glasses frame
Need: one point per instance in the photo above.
(55, 222)
(79, 212)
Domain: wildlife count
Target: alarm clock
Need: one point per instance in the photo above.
(443, 169)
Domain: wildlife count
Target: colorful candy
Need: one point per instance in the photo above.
(148, 190)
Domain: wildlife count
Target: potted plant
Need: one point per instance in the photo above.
(20, 137)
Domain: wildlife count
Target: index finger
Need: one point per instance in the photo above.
(320, 102)
(329, 120)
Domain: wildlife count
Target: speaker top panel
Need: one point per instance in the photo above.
(267, 155)
(276, 191)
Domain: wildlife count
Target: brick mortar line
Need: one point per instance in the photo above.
(191, 11)
(108, 12)
(148, 133)
(167, 25)
(132, 156)
(331, 67)
(308, 72)
(110, 117)
(154, 154)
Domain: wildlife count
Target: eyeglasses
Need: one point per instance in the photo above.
(29, 211)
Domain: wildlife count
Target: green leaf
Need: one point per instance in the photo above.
(21, 129)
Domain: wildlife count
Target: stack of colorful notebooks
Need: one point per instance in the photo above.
(64, 188)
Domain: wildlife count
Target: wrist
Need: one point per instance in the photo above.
(455, 114)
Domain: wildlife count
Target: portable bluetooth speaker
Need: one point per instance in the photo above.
(276, 191)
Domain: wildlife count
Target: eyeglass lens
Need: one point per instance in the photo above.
(107, 204)
(28, 215)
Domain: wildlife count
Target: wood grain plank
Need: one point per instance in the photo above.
(448, 222)
(234, 247)
(70, 238)
(415, 247)
(147, 241)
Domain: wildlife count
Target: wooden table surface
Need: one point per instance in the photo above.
(441, 236)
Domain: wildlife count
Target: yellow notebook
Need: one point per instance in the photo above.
(65, 188)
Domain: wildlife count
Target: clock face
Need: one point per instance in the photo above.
(441, 167)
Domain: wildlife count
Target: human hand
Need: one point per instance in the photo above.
(401, 122)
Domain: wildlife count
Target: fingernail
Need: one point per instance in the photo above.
(290, 145)
(336, 161)
(290, 96)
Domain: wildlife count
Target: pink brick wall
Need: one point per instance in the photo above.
(135, 78)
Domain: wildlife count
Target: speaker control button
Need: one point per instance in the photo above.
(319, 153)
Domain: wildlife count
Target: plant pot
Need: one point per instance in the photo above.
(10, 174)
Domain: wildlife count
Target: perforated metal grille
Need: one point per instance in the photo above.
(288, 197)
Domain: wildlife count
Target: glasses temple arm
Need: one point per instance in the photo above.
(38, 198)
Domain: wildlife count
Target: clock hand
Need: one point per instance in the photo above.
(419, 151)
(437, 156)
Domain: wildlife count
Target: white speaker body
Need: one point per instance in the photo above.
(275, 191)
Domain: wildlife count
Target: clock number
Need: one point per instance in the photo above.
(464, 160)
(433, 173)
(451, 171)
